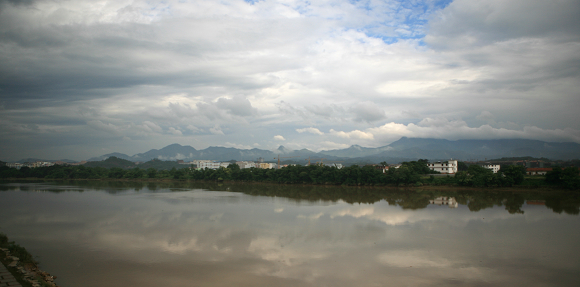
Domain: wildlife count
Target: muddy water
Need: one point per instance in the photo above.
(137, 234)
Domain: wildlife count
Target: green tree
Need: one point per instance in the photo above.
(570, 178)
(461, 166)
(151, 172)
(514, 174)
(481, 176)
(554, 176)
(463, 178)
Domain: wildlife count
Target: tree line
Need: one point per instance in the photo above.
(414, 173)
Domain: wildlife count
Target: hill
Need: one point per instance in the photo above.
(111, 162)
(404, 149)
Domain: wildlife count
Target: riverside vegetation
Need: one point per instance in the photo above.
(412, 173)
(22, 265)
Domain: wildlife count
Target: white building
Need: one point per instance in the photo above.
(493, 167)
(40, 164)
(246, 164)
(212, 165)
(15, 165)
(449, 167)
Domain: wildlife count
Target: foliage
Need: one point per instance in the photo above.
(413, 173)
(513, 174)
(161, 165)
(16, 250)
(479, 176)
(568, 177)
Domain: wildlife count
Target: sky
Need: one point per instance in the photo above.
(83, 78)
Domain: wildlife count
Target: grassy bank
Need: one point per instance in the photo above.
(22, 265)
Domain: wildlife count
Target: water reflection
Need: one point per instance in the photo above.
(445, 200)
(476, 200)
(166, 234)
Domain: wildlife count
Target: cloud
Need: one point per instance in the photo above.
(279, 138)
(150, 127)
(324, 111)
(146, 69)
(216, 130)
(109, 128)
(175, 131)
(485, 116)
(329, 145)
(310, 130)
(458, 129)
(368, 112)
(356, 134)
(239, 146)
(181, 110)
(237, 106)
(193, 128)
(476, 23)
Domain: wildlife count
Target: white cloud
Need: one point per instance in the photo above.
(458, 129)
(239, 146)
(356, 134)
(216, 130)
(175, 131)
(279, 138)
(328, 145)
(310, 130)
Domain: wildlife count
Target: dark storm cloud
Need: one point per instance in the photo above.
(16, 2)
(82, 61)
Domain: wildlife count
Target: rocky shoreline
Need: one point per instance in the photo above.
(25, 271)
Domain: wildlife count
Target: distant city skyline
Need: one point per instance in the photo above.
(79, 79)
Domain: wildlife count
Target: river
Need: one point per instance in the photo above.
(182, 234)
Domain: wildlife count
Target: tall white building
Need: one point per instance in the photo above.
(493, 167)
(449, 167)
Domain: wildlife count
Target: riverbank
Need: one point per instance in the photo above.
(21, 266)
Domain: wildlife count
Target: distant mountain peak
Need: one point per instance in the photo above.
(283, 149)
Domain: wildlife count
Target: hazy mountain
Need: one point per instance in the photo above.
(481, 149)
(170, 152)
(356, 151)
(229, 153)
(415, 148)
(106, 156)
(401, 150)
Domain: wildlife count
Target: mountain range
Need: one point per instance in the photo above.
(401, 150)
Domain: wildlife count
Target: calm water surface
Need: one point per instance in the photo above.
(132, 234)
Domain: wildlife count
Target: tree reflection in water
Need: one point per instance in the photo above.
(413, 199)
